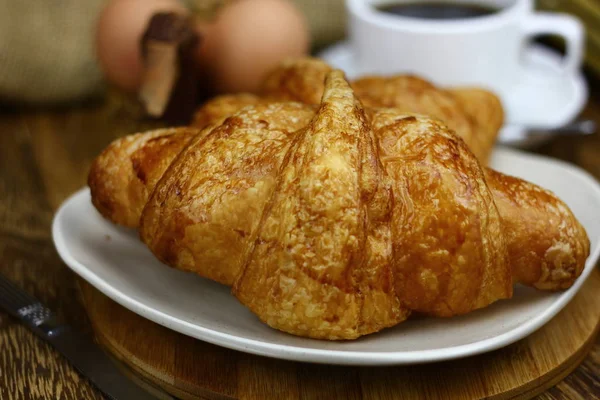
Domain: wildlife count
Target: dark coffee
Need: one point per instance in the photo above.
(438, 10)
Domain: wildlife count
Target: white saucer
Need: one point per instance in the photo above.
(532, 103)
(115, 261)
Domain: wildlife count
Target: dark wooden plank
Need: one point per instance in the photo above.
(23, 209)
(30, 369)
(44, 157)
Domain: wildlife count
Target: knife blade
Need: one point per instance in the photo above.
(80, 350)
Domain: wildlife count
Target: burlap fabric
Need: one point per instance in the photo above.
(47, 47)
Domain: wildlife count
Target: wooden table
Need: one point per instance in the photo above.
(44, 157)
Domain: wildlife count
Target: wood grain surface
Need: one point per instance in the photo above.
(44, 157)
(171, 361)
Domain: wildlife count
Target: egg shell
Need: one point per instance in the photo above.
(250, 37)
(118, 34)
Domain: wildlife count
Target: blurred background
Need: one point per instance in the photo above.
(49, 55)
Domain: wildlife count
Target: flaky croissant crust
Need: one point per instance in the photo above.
(474, 114)
(331, 224)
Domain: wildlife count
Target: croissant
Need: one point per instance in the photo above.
(476, 115)
(334, 222)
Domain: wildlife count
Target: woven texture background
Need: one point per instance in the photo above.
(46, 50)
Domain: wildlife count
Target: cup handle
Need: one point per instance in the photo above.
(565, 25)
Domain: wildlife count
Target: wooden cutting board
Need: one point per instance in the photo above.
(192, 369)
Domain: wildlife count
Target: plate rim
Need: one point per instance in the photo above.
(324, 356)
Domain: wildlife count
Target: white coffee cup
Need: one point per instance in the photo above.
(484, 51)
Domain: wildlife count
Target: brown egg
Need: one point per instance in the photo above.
(248, 38)
(118, 34)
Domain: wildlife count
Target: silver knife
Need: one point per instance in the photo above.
(80, 350)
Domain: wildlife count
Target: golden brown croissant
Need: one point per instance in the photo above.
(332, 225)
(476, 115)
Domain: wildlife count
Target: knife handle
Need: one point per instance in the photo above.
(79, 349)
(41, 320)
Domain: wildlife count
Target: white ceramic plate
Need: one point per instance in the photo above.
(118, 264)
(533, 102)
